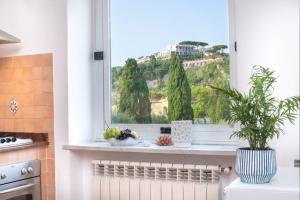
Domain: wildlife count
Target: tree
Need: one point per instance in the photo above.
(207, 101)
(134, 93)
(195, 43)
(219, 48)
(179, 93)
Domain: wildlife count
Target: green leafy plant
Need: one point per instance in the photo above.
(179, 93)
(134, 93)
(260, 115)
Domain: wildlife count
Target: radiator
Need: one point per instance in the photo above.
(119, 180)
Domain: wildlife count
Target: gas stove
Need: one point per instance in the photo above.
(13, 141)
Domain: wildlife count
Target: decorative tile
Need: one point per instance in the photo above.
(13, 106)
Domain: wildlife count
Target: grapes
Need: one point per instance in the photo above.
(111, 133)
(125, 134)
(119, 135)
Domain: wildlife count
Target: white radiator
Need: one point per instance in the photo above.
(119, 180)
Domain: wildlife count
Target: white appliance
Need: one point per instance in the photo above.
(20, 181)
(6, 142)
(284, 186)
(119, 180)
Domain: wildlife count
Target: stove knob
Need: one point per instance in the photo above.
(2, 140)
(2, 176)
(30, 170)
(13, 139)
(24, 171)
(8, 140)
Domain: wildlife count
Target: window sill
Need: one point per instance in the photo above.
(214, 150)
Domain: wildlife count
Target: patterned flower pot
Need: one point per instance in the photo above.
(182, 133)
(255, 166)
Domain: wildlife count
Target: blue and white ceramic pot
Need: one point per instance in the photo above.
(255, 166)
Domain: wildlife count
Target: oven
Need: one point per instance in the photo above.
(20, 181)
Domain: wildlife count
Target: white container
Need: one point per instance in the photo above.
(182, 133)
(127, 142)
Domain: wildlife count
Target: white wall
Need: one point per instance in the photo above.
(42, 27)
(267, 32)
(80, 66)
(268, 35)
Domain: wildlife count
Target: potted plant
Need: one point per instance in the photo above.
(260, 117)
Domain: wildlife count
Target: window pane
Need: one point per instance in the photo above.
(164, 56)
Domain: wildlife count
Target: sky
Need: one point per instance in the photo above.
(142, 27)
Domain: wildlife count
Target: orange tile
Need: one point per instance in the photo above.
(7, 88)
(46, 60)
(19, 125)
(51, 192)
(29, 80)
(16, 74)
(44, 185)
(33, 73)
(6, 74)
(8, 125)
(48, 73)
(4, 99)
(47, 86)
(51, 152)
(6, 63)
(50, 165)
(50, 178)
(44, 99)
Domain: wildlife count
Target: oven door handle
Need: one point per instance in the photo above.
(17, 188)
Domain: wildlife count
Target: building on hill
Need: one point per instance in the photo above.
(180, 50)
(183, 51)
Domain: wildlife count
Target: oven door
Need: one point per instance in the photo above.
(28, 189)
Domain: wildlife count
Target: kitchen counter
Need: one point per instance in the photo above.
(284, 186)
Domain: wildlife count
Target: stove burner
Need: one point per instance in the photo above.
(13, 141)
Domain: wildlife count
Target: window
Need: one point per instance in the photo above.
(140, 33)
(163, 55)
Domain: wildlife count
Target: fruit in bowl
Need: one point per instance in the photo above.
(117, 137)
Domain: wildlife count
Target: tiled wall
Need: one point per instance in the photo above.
(28, 80)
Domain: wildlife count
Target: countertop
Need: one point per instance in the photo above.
(284, 186)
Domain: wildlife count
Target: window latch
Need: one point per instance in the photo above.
(235, 46)
(98, 55)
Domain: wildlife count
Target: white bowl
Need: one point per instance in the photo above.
(127, 142)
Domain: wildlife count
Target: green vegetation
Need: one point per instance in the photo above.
(159, 119)
(217, 49)
(122, 118)
(134, 93)
(203, 44)
(207, 105)
(179, 93)
(155, 69)
(259, 113)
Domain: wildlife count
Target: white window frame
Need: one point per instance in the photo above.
(202, 134)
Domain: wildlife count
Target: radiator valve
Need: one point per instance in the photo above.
(226, 170)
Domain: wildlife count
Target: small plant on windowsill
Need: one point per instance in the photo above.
(261, 117)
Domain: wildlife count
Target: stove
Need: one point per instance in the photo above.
(20, 181)
(13, 141)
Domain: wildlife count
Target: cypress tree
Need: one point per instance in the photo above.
(179, 93)
(134, 93)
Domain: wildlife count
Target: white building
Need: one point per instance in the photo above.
(181, 50)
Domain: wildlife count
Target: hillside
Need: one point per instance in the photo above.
(207, 106)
